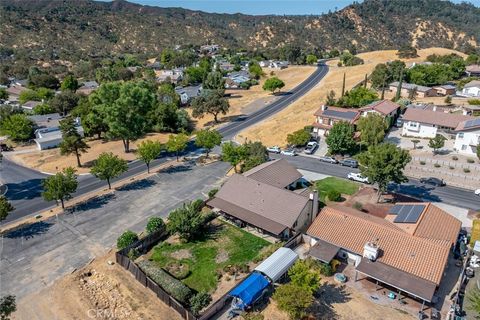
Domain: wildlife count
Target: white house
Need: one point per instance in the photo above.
(425, 123)
(472, 89)
(468, 136)
(188, 93)
(47, 133)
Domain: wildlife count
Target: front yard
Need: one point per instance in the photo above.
(345, 187)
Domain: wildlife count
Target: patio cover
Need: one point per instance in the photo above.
(250, 289)
(401, 280)
(323, 251)
(278, 263)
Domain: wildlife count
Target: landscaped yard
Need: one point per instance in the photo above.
(223, 246)
(475, 231)
(343, 186)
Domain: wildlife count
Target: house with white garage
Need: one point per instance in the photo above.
(468, 136)
(47, 130)
(471, 89)
(188, 93)
(426, 123)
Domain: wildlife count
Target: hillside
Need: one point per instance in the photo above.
(80, 28)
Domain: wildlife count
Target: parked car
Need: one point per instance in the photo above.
(274, 149)
(328, 159)
(477, 192)
(433, 181)
(399, 123)
(357, 177)
(311, 147)
(289, 152)
(352, 163)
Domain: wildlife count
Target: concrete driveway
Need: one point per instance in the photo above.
(33, 257)
(394, 136)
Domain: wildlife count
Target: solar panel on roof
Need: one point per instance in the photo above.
(344, 115)
(409, 213)
(396, 209)
(472, 123)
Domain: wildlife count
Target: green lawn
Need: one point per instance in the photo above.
(240, 247)
(343, 186)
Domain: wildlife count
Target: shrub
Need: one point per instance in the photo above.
(422, 163)
(212, 193)
(469, 160)
(305, 274)
(466, 170)
(436, 165)
(133, 254)
(334, 195)
(178, 270)
(187, 221)
(357, 205)
(155, 224)
(171, 285)
(455, 158)
(325, 269)
(293, 299)
(127, 238)
(199, 301)
(252, 316)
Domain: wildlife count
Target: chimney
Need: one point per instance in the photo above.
(370, 251)
(434, 108)
(314, 198)
(323, 107)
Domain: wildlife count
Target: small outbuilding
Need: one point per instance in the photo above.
(248, 291)
(275, 266)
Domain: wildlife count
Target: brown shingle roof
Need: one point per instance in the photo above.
(474, 83)
(350, 230)
(278, 173)
(443, 119)
(275, 204)
(383, 106)
(473, 68)
(344, 114)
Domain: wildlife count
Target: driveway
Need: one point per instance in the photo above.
(33, 257)
(394, 136)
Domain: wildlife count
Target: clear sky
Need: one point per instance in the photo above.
(259, 7)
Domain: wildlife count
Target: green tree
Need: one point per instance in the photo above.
(7, 307)
(436, 143)
(372, 129)
(5, 208)
(28, 95)
(155, 224)
(357, 97)
(43, 109)
(233, 154)
(398, 94)
(69, 83)
(448, 99)
(340, 138)
(384, 163)
(255, 69)
(92, 120)
(474, 299)
(255, 154)
(148, 151)
(210, 102)
(177, 143)
(108, 166)
(208, 139)
(195, 75)
(3, 94)
(61, 186)
(186, 221)
(72, 141)
(272, 84)
(472, 59)
(293, 299)
(298, 138)
(64, 102)
(304, 275)
(214, 81)
(127, 238)
(330, 101)
(18, 126)
(312, 59)
(199, 301)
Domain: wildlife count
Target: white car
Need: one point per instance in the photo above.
(477, 192)
(357, 177)
(274, 149)
(289, 152)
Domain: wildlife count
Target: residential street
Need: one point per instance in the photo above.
(33, 257)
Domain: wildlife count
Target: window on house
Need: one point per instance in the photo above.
(464, 147)
(460, 135)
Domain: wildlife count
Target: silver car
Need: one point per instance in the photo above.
(289, 152)
(328, 159)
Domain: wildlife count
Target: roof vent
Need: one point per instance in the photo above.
(370, 251)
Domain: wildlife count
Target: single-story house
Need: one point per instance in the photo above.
(88, 87)
(408, 249)
(279, 64)
(154, 64)
(445, 90)
(421, 91)
(425, 123)
(262, 198)
(188, 93)
(473, 70)
(467, 139)
(30, 105)
(173, 75)
(47, 130)
(471, 89)
(327, 116)
(235, 79)
(226, 66)
(209, 48)
(14, 92)
(384, 108)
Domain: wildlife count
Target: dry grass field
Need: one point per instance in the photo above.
(274, 130)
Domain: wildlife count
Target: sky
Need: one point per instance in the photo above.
(260, 7)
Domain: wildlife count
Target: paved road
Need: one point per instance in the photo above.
(24, 185)
(450, 195)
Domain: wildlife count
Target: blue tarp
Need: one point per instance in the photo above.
(250, 289)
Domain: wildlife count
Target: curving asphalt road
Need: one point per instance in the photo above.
(24, 185)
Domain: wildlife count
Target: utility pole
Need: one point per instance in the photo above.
(343, 85)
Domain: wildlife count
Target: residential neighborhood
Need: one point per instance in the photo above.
(240, 160)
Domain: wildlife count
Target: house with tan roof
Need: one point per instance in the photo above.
(327, 116)
(384, 108)
(267, 198)
(408, 88)
(473, 70)
(408, 249)
(471, 89)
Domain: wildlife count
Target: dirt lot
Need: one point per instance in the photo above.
(51, 161)
(299, 114)
(97, 291)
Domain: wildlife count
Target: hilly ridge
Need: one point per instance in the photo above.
(89, 28)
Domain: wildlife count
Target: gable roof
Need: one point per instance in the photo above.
(263, 205)
(351, 230)
(349, 115)
(385, 107)
(443, 119)
(472, 124)
(471, 84)
(411, 86)
(278, 173)
(475, 68)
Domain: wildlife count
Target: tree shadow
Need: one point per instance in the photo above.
(25, 190)
(29, 231)
(422, 192)
(233, 118)
(282, 93)
(94, 203)
(212, 231)
(138, 185)
(174, 169)
(327, 295)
